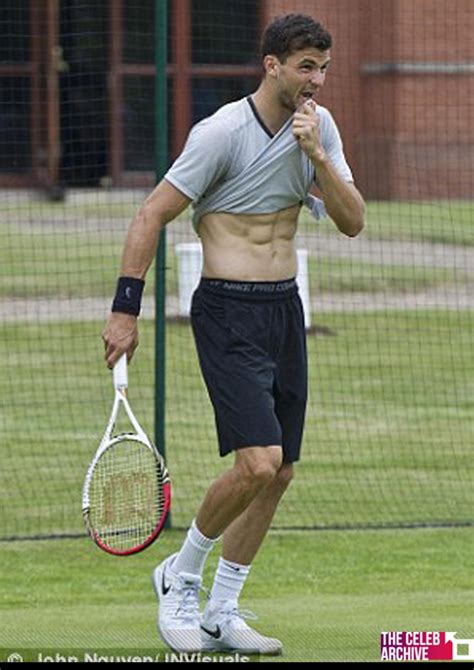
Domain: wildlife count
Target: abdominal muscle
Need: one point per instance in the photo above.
(250, 247)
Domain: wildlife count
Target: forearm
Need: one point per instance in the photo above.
(163, 205)
(121, 332)
(343, 202)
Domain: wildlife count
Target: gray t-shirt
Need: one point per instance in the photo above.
(232, 163)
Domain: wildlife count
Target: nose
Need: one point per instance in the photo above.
(318, 78)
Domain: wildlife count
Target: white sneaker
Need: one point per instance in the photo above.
(179, 618)
(224, 629)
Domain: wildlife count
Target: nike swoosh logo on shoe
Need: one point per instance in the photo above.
(164, 588)
(213, 633)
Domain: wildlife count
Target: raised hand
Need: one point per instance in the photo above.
(306, 130)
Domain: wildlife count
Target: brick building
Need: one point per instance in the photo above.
(77, 78)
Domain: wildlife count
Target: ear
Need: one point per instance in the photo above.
(271, 65)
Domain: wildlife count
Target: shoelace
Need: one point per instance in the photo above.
(189, 606)
(240, 614)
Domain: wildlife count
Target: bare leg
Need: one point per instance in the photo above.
(233, 491)
(243, 537)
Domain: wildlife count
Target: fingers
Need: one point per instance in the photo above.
(308, 108)
(113, 353)
(304, 126)
(119, 336)
(306, 122)
(301, 128)
(306, 118)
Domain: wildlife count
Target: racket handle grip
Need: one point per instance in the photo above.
(120, 373)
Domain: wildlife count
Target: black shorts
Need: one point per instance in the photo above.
(251, 343)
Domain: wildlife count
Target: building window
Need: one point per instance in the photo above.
(15, 135)
(225, 32)
(14, 31)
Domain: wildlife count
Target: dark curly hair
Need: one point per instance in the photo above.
(292, 32)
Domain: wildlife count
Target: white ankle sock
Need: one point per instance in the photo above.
(229, 580)
(193, 553)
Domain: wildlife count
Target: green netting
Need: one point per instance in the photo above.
(389, 428)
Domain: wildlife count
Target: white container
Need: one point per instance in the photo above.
(189, 255)
(302, 279)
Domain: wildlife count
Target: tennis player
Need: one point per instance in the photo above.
(247, 170)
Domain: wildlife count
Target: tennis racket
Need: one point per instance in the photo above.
(127, 492)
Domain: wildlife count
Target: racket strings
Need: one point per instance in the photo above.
(126, 495)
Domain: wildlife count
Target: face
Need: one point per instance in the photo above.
(300, 77)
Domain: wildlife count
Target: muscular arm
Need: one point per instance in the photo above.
(343, 201)
(163, 205)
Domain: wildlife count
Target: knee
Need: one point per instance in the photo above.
(284, 476)
(263, 473)
(260, 468)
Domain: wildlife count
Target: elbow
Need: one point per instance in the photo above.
(351, 220)
(356, 223)
(352, 226)
(356, 226)
(151, 216)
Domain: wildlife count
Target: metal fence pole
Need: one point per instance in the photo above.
(161, 162)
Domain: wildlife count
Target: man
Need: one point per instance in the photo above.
(246, 169)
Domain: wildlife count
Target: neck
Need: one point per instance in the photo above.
(273, 114)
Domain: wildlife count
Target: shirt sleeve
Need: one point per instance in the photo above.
(332, 143)
(203, 161)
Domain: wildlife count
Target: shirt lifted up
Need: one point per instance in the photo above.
(232, 163)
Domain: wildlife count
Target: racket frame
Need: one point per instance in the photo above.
(120, 378)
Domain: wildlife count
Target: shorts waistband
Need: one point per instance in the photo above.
(262, 290)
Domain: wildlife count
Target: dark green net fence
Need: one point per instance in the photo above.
(390, 422)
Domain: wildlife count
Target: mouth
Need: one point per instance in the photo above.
(308, 95)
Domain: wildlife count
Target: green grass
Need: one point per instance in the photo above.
(73, 209)
(388, 441)
(327, 595)
(56, 249)
(449, 221)
(446, 221)
(389, 420)
(58, 263)
(79, 265)
(335, 275)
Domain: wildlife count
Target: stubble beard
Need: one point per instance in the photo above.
(287, 102)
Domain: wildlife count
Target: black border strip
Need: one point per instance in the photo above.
(259, 118)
